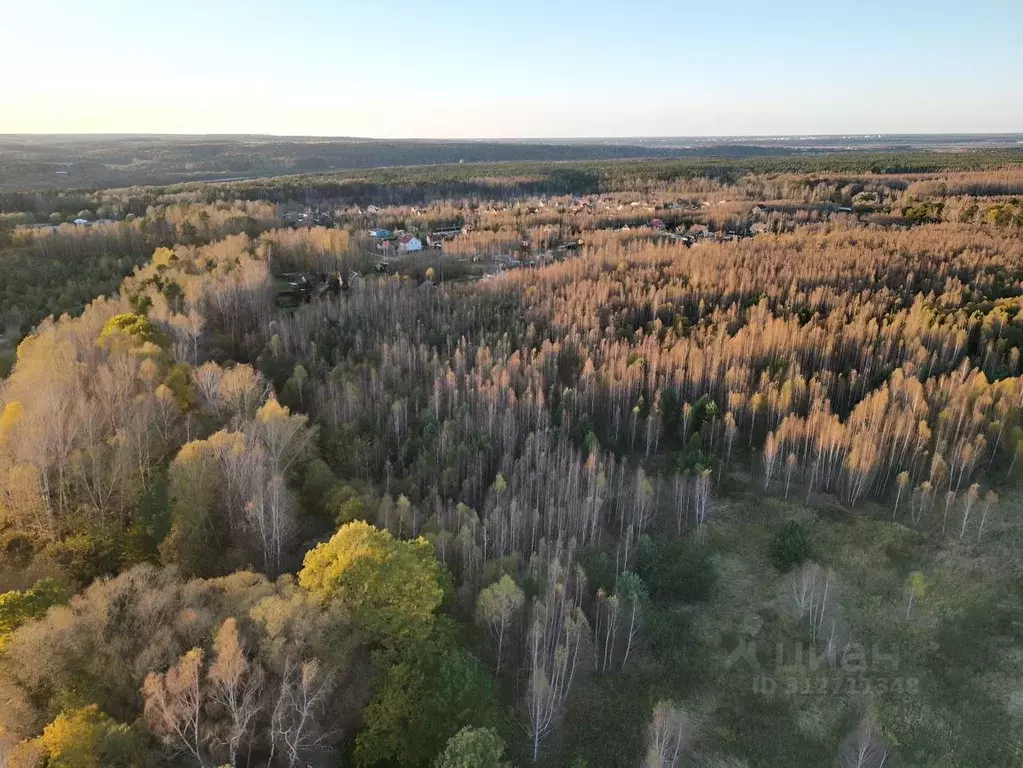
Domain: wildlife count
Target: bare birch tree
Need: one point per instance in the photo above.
(864, 748)
(236, 686)
(173, 706)
(556, 633)
(295, 726)
(990, 500)
(669, 736)
(631, 593)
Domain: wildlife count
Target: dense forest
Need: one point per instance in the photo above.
(71, 162)
(678, 463)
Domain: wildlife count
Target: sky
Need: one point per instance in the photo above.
(525, 68)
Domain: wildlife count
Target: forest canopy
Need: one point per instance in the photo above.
(651, 463)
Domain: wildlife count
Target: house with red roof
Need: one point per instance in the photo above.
(409, 243)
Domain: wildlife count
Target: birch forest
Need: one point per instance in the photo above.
(642, 465)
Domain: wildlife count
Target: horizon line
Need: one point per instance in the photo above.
(662, 137)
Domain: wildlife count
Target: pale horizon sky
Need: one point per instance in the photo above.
(445, 69)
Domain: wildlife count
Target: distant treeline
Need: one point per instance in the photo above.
(77, 162)
(413, 184)
(509, 180)
(67, 163)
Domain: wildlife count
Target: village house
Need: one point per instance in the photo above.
(409, 243)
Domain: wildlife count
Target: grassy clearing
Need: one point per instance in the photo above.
(943, 685)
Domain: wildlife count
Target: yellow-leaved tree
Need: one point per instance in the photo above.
(391, 588)
(82, 738)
